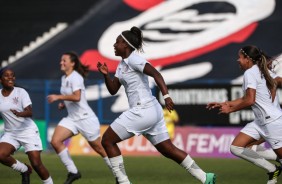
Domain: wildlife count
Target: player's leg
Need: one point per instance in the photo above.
(97, 146)
(266, 153)
(279, 153)
(37, 165)
(275, 140)
(7, 148)
(239, 148)
(90, 130)
(109, 142)
(62, 133)
(164, 145)
(273, 176)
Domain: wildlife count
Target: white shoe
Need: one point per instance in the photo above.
(274, 181)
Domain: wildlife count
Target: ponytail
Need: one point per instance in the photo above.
(134, 38)
(83, 70)
(258, 57)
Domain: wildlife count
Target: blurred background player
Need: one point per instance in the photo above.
(80, 119)
(171, 119)
(145, 115)
(19, 130)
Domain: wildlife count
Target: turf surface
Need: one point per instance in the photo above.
(142, 170)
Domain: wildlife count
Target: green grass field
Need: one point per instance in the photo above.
(142, 170)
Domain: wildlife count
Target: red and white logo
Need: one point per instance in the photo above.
(178, 30)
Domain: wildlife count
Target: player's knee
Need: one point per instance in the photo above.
(236, 150)
(36, 165)
(55, 143)
(105, 142)
(3, 156)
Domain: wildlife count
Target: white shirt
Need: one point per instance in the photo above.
(276, 100)
(76, 110)
(17, 100)
(264, 109)
(136, 83)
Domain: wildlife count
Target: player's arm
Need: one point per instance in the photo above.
(152, 72)
(27, 112)
(278, 81)
(112, 85)
(235, 105)
(75, 97)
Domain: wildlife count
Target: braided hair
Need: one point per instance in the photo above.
(259, 58)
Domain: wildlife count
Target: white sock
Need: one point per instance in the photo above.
(252, 157)
(118, 169)
(48, 181)
(19, 166)
(268, 154)
(190, 165)
(107, 161)
(67, 161)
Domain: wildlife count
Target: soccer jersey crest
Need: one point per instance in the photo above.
(15, 100)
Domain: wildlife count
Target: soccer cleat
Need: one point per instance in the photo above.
(26, 175)
(72, 177)
(272, 176)
(118, 182)
(210, 178)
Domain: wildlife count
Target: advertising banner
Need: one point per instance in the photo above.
(197, 141)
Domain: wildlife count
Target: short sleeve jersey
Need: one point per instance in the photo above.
(264, 109)
(276, 100)
(136, 83)
(76, 110)
(17, 100)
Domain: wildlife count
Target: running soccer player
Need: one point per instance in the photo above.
(259, 93)
(145, 115)
(19, 130)
(80, 119)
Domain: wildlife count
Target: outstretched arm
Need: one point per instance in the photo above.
(112, 85)
(75, 97)
(235, 105)
(151, 71)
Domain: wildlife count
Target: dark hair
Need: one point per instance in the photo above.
(135, 37)
(258, 57)
(83, 70)
(2, 70)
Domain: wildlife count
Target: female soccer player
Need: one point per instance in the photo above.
(80, 119)
(259, 93)
(19, 130)
(145, 115)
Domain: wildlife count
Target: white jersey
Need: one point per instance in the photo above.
(17, 100)
(264, 109)
(136, 83)
(276, 100)
(76, 110)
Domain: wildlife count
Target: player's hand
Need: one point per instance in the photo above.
(52, 98)
(61, 106)
(169, 104)
(14, 112)
(225, 108)
(103, 68)
(213, 105)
